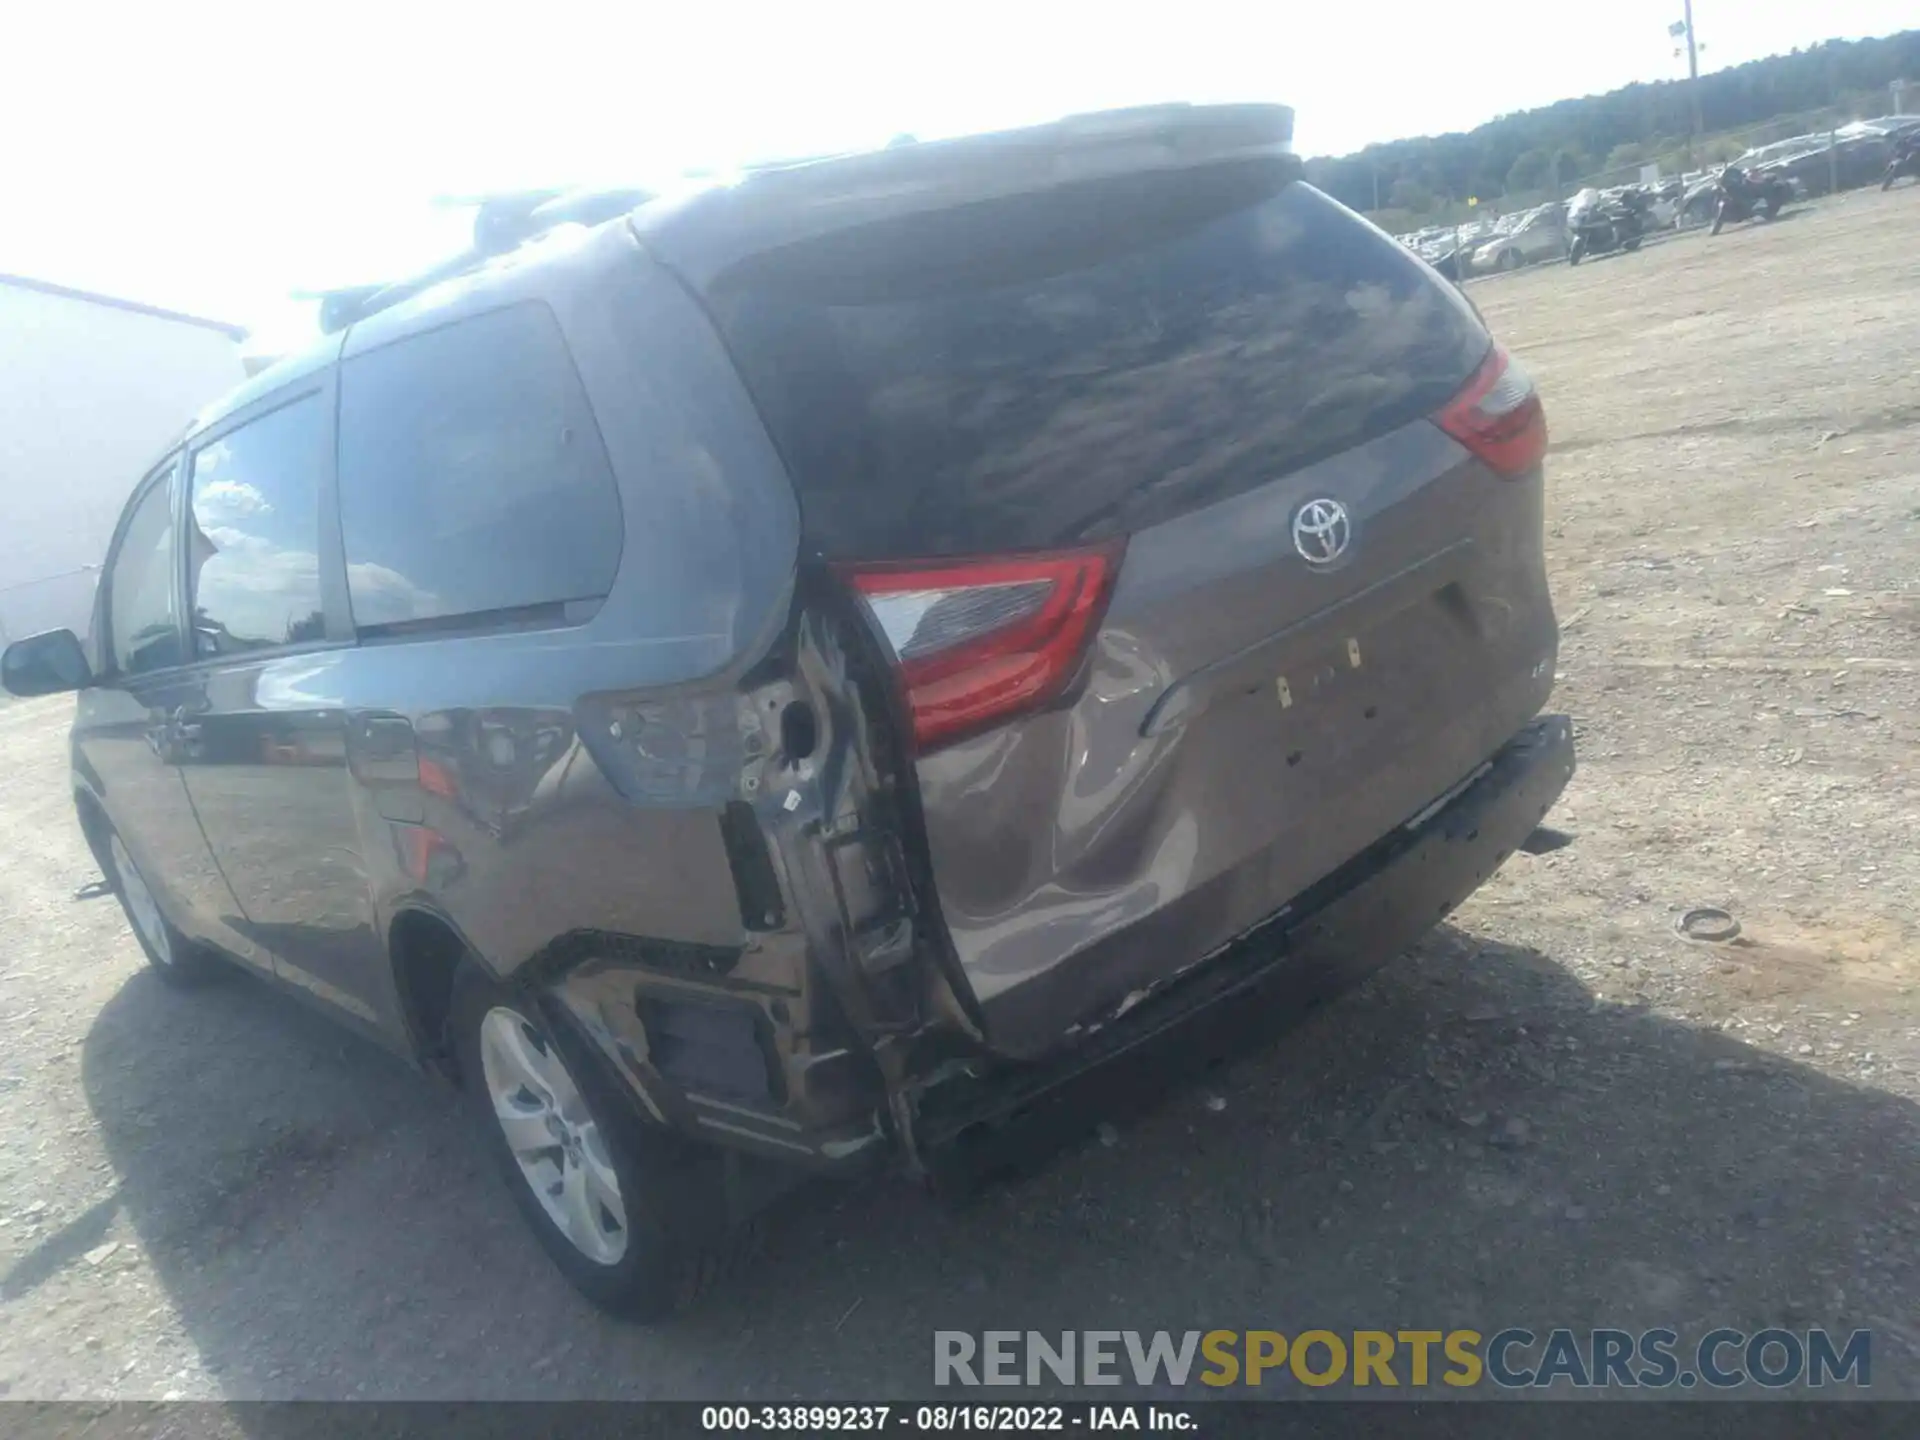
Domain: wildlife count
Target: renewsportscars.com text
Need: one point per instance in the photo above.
(1512, 1358)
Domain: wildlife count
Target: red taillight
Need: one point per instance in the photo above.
(435, 779)
(979, 641)
(1498, 416)
(419, 846)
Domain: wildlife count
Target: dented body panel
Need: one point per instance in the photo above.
(1248, 725)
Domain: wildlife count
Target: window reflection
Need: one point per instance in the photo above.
(1046, 372)
(472, 476)
(142, 622)
(254, 545)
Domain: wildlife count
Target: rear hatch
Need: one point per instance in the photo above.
(1200, 520)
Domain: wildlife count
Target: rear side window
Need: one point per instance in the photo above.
(1062, 367)
(473, 483)
(253, 549)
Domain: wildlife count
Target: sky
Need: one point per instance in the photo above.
(217, 158)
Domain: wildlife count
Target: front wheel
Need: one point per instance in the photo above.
(1719, 219)
(174, 959)
(1632, 243)
(1887, 183)
(630, 1213)
(1578, 252)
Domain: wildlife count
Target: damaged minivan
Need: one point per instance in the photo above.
(795, 674)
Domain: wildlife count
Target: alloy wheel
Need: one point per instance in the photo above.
(141, 907)
(554, 1138)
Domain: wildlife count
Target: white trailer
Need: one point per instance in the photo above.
(91, 391)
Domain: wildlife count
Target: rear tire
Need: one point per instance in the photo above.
(173, 958)
(631, 1214)
(1507, 260)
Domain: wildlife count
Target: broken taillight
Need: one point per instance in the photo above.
(1498, 416)
(980, 641)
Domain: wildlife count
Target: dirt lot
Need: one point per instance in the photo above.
(1554, 1112)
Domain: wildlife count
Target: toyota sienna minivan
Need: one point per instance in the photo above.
(796, 673)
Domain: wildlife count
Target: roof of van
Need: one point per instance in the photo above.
(709, 231)
(484, 285)
(284, 371)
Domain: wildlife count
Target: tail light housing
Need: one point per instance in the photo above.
(436, 779)
(1498, 416)
(977, 642)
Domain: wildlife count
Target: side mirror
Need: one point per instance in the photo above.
(45, 664)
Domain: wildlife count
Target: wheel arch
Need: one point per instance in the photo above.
(425, 950)
(94, 824)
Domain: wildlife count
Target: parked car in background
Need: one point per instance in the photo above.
(1690, 196)
(1700, 202)
(1845, 163)
(790, 678)
(1449, 248)
(1886, 127)
(1818, 164)
(1660, 204)
(1526, 239)
(1445, 254)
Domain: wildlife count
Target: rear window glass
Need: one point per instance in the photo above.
(1052, 369)
(473, 482)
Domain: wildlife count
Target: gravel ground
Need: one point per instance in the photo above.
(1553, 1112)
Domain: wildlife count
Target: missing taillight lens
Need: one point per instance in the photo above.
(1498, 416)
(980, 641)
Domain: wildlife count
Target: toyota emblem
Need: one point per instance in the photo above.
(1321, 530)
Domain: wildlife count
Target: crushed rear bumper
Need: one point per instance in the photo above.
(1328, 938)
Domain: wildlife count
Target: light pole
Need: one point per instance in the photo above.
(1693, 68)
(1685, 27)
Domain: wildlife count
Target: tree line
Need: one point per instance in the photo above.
(1562, 143)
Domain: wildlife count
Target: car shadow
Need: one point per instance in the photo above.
(1470, 1139)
